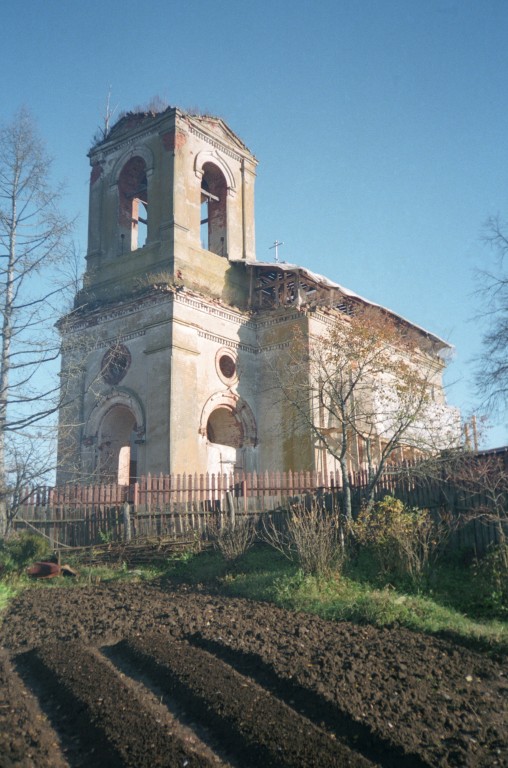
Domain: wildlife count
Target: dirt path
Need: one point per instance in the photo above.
(129, 675)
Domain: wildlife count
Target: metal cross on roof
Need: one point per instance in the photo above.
(276, 246)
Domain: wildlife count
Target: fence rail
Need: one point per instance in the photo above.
(183, 504)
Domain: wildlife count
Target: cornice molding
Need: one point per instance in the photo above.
(227, 342)
(205, 305)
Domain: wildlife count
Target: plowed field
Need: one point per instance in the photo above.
(130, 675)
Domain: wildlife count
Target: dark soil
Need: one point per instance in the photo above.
(129, 675)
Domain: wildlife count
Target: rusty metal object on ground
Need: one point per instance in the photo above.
(47, 570)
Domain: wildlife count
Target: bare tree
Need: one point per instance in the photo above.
(33, 238)
(366, 389)
(482, 482)
(492, 373)
(30, 461)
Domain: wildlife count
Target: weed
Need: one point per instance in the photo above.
(106, 537)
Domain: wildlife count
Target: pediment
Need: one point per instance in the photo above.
(216, 127)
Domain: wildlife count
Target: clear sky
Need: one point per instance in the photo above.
(380, 126)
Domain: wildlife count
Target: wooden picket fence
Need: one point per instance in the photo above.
(156, 505)
(183, 505)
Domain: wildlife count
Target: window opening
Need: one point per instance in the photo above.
(115, 363)
(133, 193)
(206, 196)
(213, 214)
(227, 366)
(142, 220)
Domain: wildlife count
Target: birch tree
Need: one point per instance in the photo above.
(33, 239)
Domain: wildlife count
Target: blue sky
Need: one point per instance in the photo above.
(380, 127)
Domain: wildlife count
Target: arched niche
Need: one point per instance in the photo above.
(224, 428)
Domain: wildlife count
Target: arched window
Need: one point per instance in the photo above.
(213, 210)
(133, 199)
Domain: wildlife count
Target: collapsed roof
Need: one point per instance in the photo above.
(279, 284)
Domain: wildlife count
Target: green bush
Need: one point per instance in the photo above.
(491, 573)
(18, 552)
(401, 541)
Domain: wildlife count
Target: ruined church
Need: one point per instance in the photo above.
(168, 354)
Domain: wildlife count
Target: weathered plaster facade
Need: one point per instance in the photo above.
(169, 355)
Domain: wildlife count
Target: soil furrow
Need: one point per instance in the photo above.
(104, 712)
(39, 744)
(262, 730)
(427, 697)
(166, 707)
(310, 704)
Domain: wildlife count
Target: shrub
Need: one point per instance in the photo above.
(18, 552)
(232, 538)
(310, 537)
(402, 541)
(491, 573)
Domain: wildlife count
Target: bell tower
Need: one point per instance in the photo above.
(171, 200)
(163, 304)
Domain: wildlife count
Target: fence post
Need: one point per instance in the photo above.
(231, 508)
(243, 491)
(135, 495)
(126, 521)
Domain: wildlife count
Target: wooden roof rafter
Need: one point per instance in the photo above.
(279, 284)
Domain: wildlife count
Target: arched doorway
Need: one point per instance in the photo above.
(117, 446)
(229, 427)
(116, 422)
(225, 438)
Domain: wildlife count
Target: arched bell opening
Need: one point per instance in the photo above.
(213, 219)
(133, 204)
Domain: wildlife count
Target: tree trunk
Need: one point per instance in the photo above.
(346, 492)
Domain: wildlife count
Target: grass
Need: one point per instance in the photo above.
(344, 599)
(15, 582)
(7, 592)
(451, 602)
